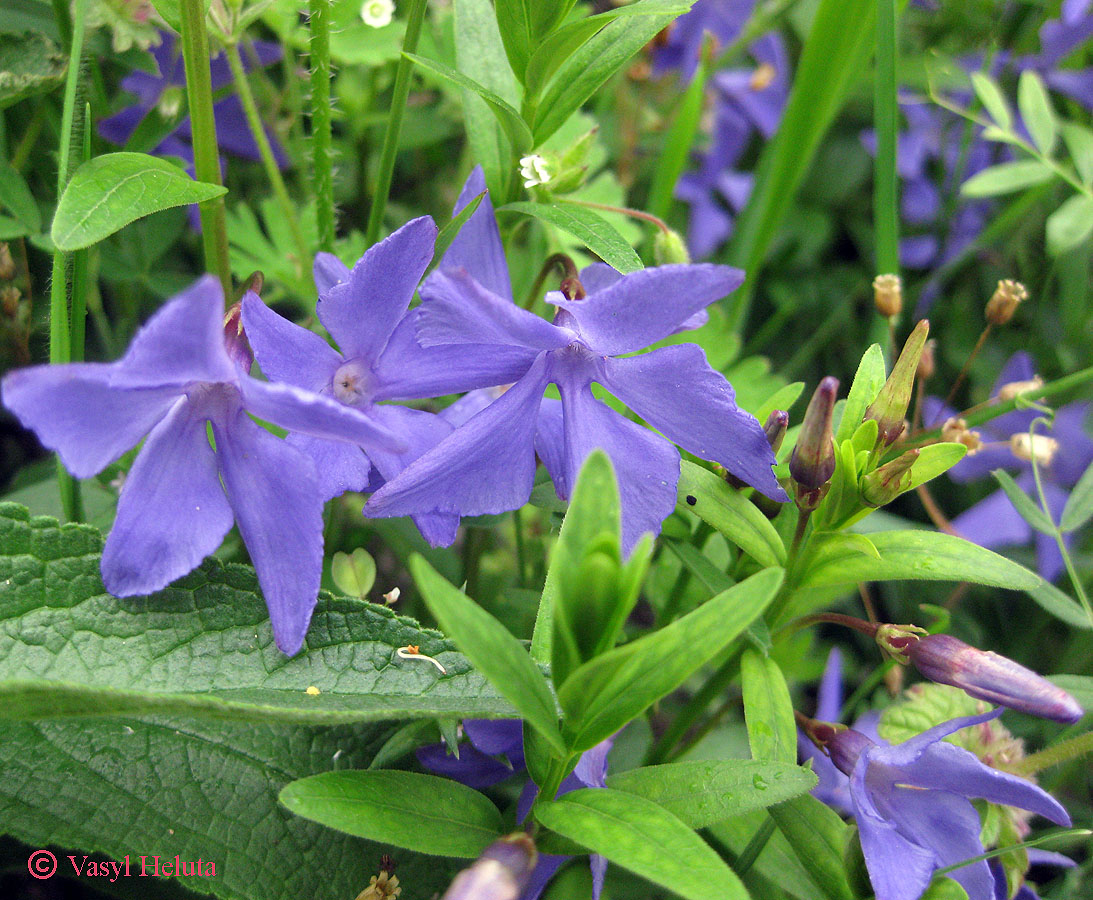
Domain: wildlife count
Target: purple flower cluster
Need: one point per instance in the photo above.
(183, 375)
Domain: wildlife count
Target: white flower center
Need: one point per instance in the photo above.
(352, 383)
(377, 13)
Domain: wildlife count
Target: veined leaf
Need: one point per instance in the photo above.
(1079, 505)
(1036, 111)
(1070, 224)
(818, 836)
(585, 225)
(1028, 509)
(993, 101)
(768, 710)
(1005, 178)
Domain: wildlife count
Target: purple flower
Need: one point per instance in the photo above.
(724, 19)
(181, 496)
(911, 804)
(478, 767)
(995, 522)
(1058, 39)
(488, 464)
(232, 133)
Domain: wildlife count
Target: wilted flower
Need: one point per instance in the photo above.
(181, 496)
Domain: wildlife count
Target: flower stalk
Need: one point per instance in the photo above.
(322, 154)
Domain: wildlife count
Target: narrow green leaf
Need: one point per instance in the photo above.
(1079, 505)
(934, 460)
(587, 226)
(818, 837)
(768, 710)
(1026, 507)
(644, 838)
(1079, 142)
(918, 555)
(416, 812)
(703, 792)
(726, 509)
(515, 24)
(17, 198)
(606, 693)
(868, 380)
(783, 398)
(600, 58)
(451, 228)
(509, 118)
(491, 648)
(1005, 178)
(1060, 605)
(1035, 107)
(993, 101)
(1070, 224)
(777, 862)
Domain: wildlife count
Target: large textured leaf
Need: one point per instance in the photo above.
(30, 63)
(108, 192)
(203, 646)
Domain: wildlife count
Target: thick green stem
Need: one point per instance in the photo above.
(273, 173)
(199, 99)
(322, 155)
(885, 105)
(394, 123)
(1062, 752)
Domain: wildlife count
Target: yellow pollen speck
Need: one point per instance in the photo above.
(312, 691)
(762, 77)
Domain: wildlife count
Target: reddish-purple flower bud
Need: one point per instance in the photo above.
(235, 339)
(775, 428)
(988, 676)
(500, 873)
(813, 459)
(845, 747)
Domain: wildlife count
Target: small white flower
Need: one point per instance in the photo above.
(534, 170)
(377, 13)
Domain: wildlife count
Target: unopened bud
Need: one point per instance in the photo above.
(1016, 388)
(890, 407)
(845, 748)
(888, 295)
(170, 101)
(1004, 301)
(668, 248)
(235, 340)
(884, 484)
(7, 264)
(956, 431)
(988, 676)
(775, 429)
(927, 363)
(500, 873)
(1027, 446)
(813, 459)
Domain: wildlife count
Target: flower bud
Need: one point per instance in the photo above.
(955, 431)
(845, 747)
(1003, 303)
(1016, 388)
(1025, 446)
(377, 13)
(884, 484)
(888, 295)
(668, 247)
(988, 676)
(927, 363)
(890, 407)
(775, 429)
(813, 459)
(500, 873)
(894, 640)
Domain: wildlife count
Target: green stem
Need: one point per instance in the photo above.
(521, 552)
(755, 846)
(199, 99)
(624, 211)
(60, 327)
(394, 122)
(1062, 752)
(80, 266)
(273, 173)
(885, 105)
(322, 155)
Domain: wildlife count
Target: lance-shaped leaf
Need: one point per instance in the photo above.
(591, 229)
(818, 837)
(768, 710)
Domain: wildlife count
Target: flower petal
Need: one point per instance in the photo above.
(473, 767)
(675, 390)
(830, 699)
(591, 768)
(496, 736)
(645, 306)
(183, 342)
(477, 247)
(172, 512)
(308, 413)
(274, 493)
(900, 755)
(993, 522)
(74, 411)
(486, 466)
(362, 313)
(339, 465)
(456, 309)
(328, 271)
(550, 444)
(285, 351)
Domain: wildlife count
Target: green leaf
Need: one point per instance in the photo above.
(993, 101)
(30, 63)
(600, 58)
(644, 838)
(196, 788)
(17, 198)
(868, 380)
(1079, 505)
(416, 812)
(934, 460)
(1060, 605)
(606, 693)
(452, 227)
(818, 837)
(1035, 107)
(777, 863)
(783, 398)
(509, 118)
(1005, 178)
(594, 231)
(1080, 686)
(1079, 142)
(491, 648)
(514, 21)
(1025, 505)
(703, 792)
(917, 555)
(481, 57)
(202, 647)
(726, 509)
(1070, 224)
(942, 888)
(768, 710)
(108, 192)
(354, 573)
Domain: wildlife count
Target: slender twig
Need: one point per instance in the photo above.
(885, 106)
(624, 211)
(322, 156)
(983, 335)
